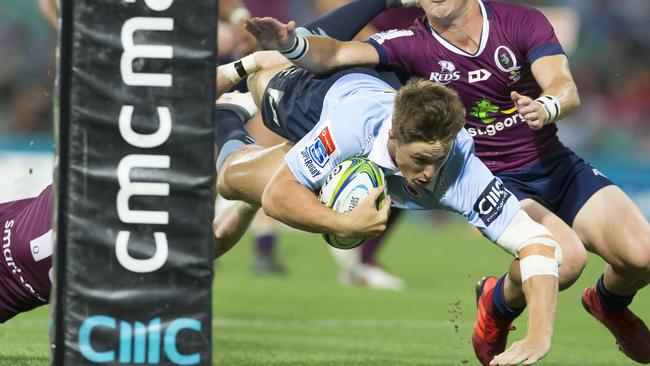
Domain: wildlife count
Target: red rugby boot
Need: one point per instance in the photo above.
(632, 335)
(490, 333)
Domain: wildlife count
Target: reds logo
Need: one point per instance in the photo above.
(447, 73)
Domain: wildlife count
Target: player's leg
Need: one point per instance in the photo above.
(243, 168)
(612, 226)
(231, 221)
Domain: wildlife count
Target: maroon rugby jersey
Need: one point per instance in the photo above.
(26, 261)
(513, 37)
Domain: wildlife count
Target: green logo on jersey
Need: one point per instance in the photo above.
(482, 110)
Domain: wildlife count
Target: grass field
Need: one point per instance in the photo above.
(307, 318)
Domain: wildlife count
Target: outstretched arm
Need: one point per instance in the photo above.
(539, 257)
(315, 53)
(287, 200)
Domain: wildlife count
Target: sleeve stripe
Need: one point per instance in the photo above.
(545, 50)
(383, 57)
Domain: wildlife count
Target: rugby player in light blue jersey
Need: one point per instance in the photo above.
(513, 77)
(415, 135)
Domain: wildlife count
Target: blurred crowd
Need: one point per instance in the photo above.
(610, 59)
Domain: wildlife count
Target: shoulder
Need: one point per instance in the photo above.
(418, 28)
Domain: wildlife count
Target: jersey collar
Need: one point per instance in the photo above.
(379, 151)
(485, 32)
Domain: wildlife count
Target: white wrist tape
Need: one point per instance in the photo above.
(235, 71)
(238, 15)
(299, 49)
(536, 265)
(552, 107)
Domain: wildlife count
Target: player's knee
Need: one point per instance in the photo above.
(574, 261)
(225, 185)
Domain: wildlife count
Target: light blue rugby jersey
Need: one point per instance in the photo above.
(355, 121)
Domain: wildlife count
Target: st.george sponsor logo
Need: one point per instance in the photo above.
(137, 342)
(487, 112)
(490, 203)
(493, 129)
(447, 73)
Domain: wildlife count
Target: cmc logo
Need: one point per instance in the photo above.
(137, 343)
(491, 202)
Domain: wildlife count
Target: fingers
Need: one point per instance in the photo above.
(520, 100)
(375, 193)
(291, 26)
(530, 110)
(518, 353)
(515, 97)
(386, 205)
(531, 360)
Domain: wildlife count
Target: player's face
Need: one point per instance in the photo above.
(420, 161)
(443, 10)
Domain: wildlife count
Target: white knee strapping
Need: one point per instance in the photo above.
(535, 265)
(522, 232)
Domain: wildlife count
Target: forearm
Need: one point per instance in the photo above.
(230, 74)
(541, 297)
(327, 54)
(295, 205)
(553, 75)
(566, 93)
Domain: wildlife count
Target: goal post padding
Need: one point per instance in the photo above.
(134, 173)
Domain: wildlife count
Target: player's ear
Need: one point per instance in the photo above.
(391, 135)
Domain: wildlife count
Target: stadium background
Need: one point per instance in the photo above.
(306, 317)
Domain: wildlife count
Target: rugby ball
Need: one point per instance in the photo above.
(348, 184)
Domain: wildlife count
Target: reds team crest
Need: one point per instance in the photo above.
(506, 61)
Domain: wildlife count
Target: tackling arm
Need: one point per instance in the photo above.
(287, 200)
(314, 53)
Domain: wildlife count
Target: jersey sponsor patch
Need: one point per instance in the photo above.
(322, 148)
(312, 167)
(490, 203)
(391, 34)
